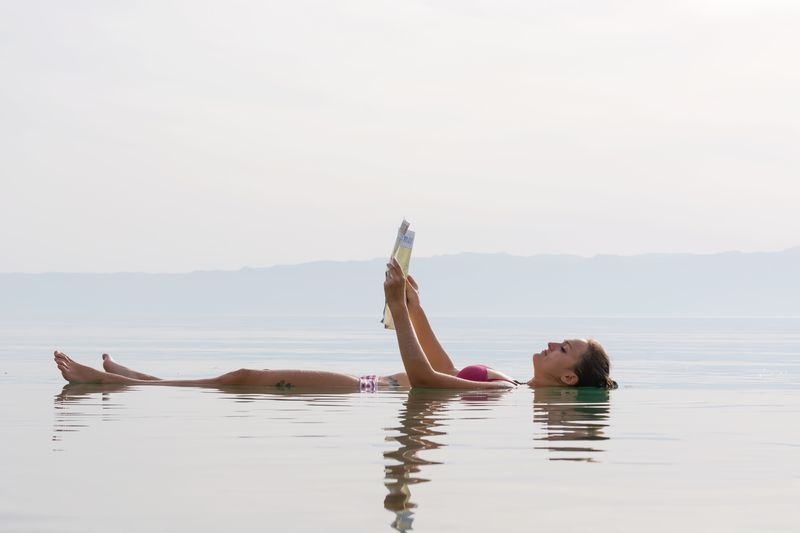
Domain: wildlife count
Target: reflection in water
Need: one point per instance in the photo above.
(68, 419)
(574, 415)
(78, 404)
(573, 421)
(423, 416)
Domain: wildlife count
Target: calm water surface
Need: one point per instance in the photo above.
(703, 434)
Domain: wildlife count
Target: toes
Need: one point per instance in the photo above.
(106, 357)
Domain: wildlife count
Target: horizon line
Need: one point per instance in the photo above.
(339, 261)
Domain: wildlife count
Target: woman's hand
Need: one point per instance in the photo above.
(412, 293)
(395, 285)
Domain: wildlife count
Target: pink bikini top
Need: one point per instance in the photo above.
(480, 373)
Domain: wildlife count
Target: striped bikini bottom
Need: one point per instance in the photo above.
(368, 383)
(371, 383)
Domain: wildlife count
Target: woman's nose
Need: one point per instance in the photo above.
(550, 345)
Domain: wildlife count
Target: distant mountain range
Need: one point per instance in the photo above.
(724, 284)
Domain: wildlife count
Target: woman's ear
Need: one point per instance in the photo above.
(569, 378)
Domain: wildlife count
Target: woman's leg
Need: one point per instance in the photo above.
(109, 365)
(75, 372)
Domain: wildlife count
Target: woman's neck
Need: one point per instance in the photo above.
(543, 381)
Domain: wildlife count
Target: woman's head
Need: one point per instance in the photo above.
(594, 369)
(573, 362)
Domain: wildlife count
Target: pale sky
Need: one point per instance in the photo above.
(176, 136)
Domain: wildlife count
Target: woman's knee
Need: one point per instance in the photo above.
(237, 377)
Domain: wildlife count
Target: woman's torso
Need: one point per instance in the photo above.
(470, 373)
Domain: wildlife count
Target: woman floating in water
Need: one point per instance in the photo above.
(573, 362)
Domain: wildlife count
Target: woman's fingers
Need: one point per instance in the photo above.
(393, 278)
(412, 282)
(394, 269)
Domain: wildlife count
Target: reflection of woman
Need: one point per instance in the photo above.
(566, 416)
(570, 416)
(573, 362)
(421, 418)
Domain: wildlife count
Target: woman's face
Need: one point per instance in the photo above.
(555, 364)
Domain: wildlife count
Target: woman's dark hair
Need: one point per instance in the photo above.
(594, 368)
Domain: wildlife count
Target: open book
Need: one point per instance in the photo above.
(402, 252)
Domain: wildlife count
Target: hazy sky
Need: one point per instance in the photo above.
(176, 136)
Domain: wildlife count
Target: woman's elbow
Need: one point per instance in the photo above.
(426, 381)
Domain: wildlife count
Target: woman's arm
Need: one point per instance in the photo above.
(427, 338)
(419, 370)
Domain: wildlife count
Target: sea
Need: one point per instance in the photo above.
(703, 433)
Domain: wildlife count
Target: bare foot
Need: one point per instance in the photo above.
(115, 368)
(77, 373)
